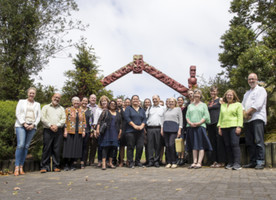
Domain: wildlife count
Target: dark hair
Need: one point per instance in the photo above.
(144, 102)
(113, 102)
(85, 97)
(181, 97)
(134, 96)
(235, 99)
(213, 88)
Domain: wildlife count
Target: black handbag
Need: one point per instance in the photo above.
(103, 125)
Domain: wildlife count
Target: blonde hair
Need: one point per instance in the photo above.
(235, 96)
(102, 99)
(31, 88)
(175, 101)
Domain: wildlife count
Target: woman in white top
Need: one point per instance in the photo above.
(27, 119)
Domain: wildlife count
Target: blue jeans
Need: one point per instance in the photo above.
(24, 138)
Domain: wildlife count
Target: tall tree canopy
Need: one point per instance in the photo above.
(85, 79)
(30, 32)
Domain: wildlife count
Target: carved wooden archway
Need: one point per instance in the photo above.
(138, 66)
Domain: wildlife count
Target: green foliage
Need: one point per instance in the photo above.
(8, 136)
(84, 80)
(44, 93)
(249, 46)
(30, 33)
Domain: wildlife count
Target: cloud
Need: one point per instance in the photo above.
(170, 34)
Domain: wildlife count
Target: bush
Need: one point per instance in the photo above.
(8, 136)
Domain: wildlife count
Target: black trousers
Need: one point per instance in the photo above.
(170, 147)
(85, 147)
(134, 140)
(254, 140)
(218, 154)
(232, 144)
(52, 142)
(154, 144)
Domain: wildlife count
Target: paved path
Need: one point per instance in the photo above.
(142, 183)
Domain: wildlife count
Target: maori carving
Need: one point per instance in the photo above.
(138, 66)
(117, 74)
(165, 79)
(192, 81)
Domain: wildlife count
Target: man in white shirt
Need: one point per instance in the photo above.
(154, 116)
(254, 105)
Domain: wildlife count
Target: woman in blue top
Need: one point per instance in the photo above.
(136, 119)
(110, 138)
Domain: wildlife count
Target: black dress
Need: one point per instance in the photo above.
(72, 147)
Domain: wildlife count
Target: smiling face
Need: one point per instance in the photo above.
(84, 102)
(92, 99)
(171, 103)
(127, 103)
(56, 99)
(155, 100)
(197, 97)
(119, 103)
(104, 103)
(76, 103)
(180, 101)
(31, 94)
(147, 103)
(252, 80)
(191, 95)
(214, 93)
(229, 97)
(135, 101)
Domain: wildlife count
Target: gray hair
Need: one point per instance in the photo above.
(75, 99)
(198, 91)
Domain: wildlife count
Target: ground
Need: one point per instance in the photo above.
(142, 183)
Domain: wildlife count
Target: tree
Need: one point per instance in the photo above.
(31, 31)
(250, 46)
(85, 79)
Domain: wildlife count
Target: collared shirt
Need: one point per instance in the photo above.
(53, 115)
(137, 117)
(256, 98)
(93, 108)
(154, 115)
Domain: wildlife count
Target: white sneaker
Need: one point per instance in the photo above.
(168, 166)
(174, 166)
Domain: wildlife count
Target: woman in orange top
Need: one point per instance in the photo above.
(74, 132)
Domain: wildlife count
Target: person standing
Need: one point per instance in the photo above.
(171, 129)
(93, 143)
(112, 133)
(154, 115)
(136, 120)
(197, 141)
(217, 156)
(74, 132)
(53, 120)
(27, 119)
(230, 124)
(254, 105)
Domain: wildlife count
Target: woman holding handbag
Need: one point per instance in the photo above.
(110, 128)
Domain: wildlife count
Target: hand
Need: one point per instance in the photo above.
(30, 127)
(91, 134)
(179, 134)
(83, 134)
(136, 127)
(119, 136)
(193, 125)
(54, 128)
(97, 133)
(65, 134)
(162, 133)
(219, 131)
(238, 130)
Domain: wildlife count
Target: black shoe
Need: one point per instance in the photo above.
(139, 164)
(182, 162)
(250, 165)
(66, 168)
(131, 165)
(156, 165)
(236, 166)
(178, 161)
(150, 164)
(259, 167)
(229, 166)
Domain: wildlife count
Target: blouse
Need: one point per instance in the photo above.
(231, 115)
(196, 113)
(71, 117)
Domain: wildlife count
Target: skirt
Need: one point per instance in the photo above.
(197, 139)
(72, 147)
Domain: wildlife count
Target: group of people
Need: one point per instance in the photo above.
(107, 128)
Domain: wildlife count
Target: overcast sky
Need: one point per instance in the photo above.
(171, 35)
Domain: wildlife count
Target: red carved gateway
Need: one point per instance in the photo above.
(138, 66)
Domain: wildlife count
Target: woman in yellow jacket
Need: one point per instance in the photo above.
(230, 124)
